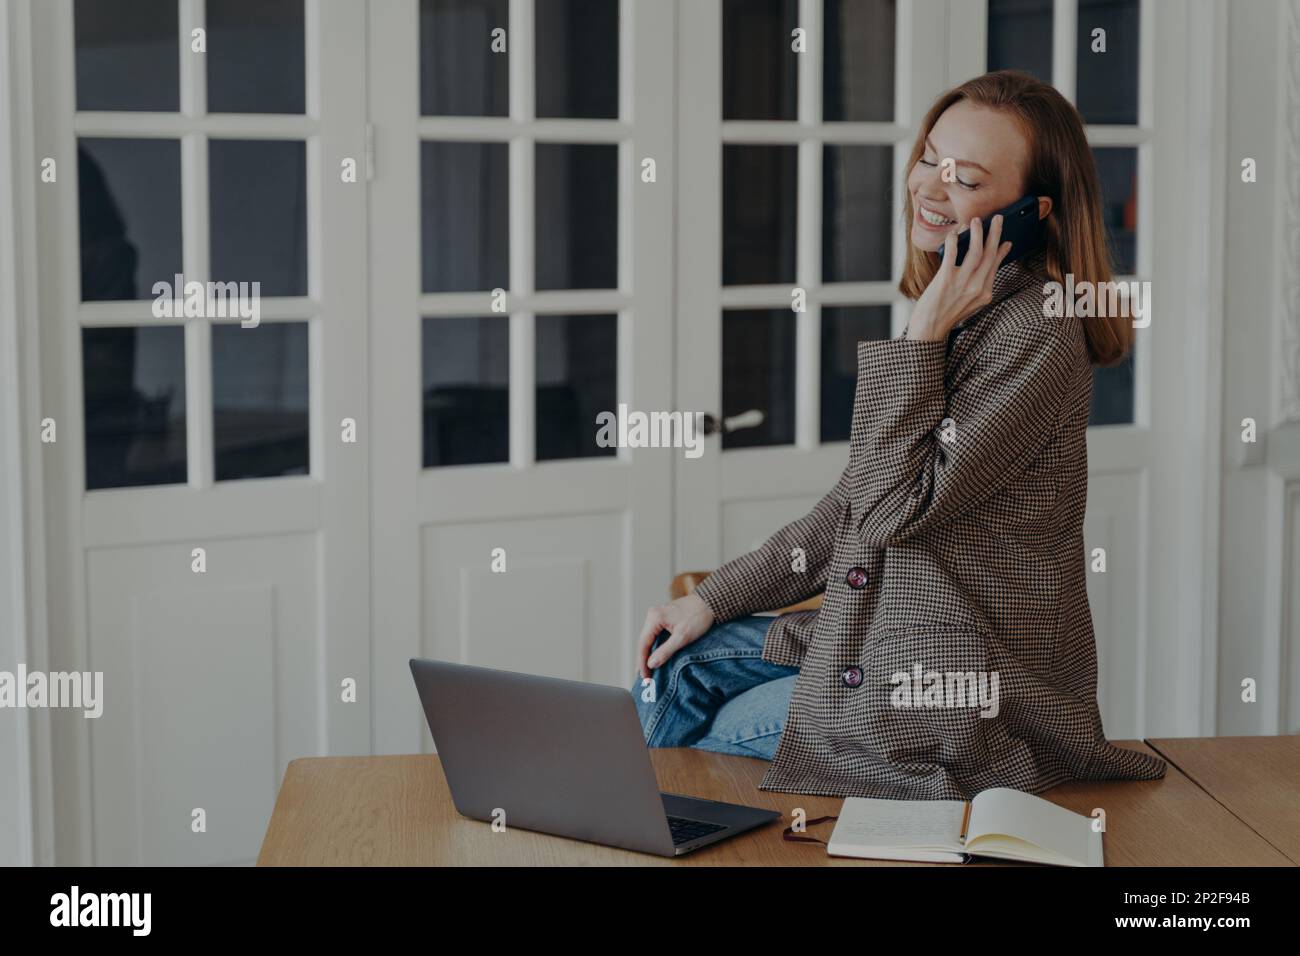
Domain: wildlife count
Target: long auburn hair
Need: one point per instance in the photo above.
(1061, 166)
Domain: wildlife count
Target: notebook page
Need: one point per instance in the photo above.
(1033, 819)
(871, 822)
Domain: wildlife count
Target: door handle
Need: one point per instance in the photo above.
(750, 419)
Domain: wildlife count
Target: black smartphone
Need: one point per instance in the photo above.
(1020, 226)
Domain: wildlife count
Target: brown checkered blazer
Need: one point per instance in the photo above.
(955, 546)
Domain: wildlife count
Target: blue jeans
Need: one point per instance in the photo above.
(697, 693)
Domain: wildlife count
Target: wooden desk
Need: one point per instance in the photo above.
(358, 811)
(1256, 778)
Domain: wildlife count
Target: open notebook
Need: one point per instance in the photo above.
(1002, 823)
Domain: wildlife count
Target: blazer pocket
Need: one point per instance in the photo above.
(931, 699)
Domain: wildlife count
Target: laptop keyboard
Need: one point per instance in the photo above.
(684, 830)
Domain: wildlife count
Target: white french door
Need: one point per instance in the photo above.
(520, 261)
(206, 511)
(790, 171)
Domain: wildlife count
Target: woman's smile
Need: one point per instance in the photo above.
(928, 218)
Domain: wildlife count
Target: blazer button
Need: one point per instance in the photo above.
(856, 578)
(852, 677)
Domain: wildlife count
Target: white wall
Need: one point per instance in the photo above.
(1259, 634)
(16, 841)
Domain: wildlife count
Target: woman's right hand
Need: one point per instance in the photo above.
(684, 619)
(956, 292)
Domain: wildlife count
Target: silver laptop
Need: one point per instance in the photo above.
(562, 757)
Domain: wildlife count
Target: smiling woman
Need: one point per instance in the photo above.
(952, 541)
(982, 146)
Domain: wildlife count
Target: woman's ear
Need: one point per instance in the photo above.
(1044, 206)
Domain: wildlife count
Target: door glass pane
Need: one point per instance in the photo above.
(576, 369)
(858, 70)
(128, 55)
(758, 213)
(857, 216)
(758, 372)
(759, 68)
(1108, 82)
(577, 58)
(460, 74)
(129, 212)
(258, 207)
(256, 56)
(843, 327)
(260, 400)
(464, 216)
(1117, 169)
(465, 366)
(134, 390)
(1020, 37)
(1112, 394)
(576, 226)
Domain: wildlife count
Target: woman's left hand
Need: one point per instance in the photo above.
(958, 291)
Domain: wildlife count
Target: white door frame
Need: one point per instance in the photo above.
(24, 753)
